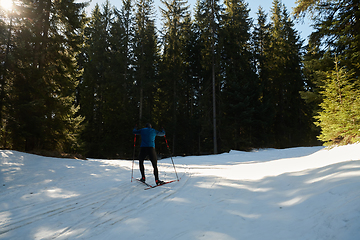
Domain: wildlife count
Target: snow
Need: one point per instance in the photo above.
(297, 193)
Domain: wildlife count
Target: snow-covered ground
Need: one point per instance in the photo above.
(298, 193)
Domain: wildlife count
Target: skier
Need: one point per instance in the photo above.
(147, 148)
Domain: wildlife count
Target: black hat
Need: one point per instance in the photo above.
(148, 125)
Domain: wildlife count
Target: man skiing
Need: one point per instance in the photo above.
(147, 148)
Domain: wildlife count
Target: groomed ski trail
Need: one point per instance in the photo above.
(300, 193)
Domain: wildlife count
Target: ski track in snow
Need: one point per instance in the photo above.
(300, 193)
(109, 206)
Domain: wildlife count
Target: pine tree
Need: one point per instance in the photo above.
(340, 116)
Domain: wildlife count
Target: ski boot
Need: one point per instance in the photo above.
(159, 182)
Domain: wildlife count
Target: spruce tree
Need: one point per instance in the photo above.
(261, 47)
(118, 105)
(172, 71)
(240, 90)
(337, 29)
(285, 79)
(261, 44)
(95, 81)
(191, 90)
(44, 75)
(106, 92)
(340, 116)
(206, 25)
(6, 38)
(146, 59)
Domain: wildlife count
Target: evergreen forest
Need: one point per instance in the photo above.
(214, 78)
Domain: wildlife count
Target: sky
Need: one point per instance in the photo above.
(303, 28)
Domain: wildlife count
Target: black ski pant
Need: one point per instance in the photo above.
(144, 152)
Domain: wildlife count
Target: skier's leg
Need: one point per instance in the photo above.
(153, 159)
(142, 156)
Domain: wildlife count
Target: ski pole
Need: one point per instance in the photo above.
(171, 157)
(132, 168)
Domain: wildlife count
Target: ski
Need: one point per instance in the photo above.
(149, 186)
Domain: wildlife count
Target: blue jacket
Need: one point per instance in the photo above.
(148, 136)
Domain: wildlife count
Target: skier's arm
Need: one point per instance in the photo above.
(136, 131)
(160, 133)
